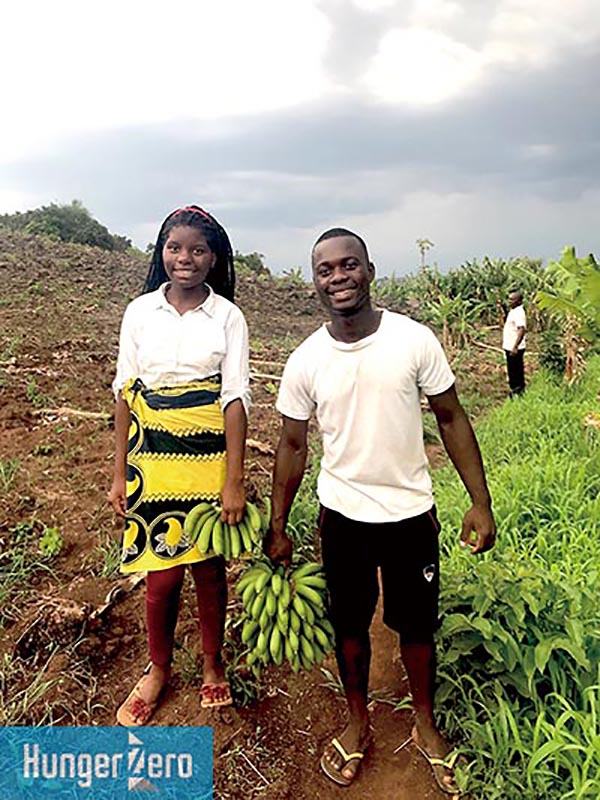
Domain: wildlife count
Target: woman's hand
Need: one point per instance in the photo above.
(117, 497)
(233, 501)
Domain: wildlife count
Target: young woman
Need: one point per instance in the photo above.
(182, 396)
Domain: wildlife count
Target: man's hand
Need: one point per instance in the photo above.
(278, 547)
(478, 529)
(117, 497)
(233, 501)
(514, 351)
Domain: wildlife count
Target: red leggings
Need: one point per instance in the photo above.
(163, 589)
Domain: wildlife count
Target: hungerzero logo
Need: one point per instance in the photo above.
(87, 769)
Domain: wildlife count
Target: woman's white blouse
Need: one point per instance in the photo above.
(165, 348)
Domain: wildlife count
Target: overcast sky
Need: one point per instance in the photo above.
(474, 123)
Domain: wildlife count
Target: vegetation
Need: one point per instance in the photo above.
(572, 297)
(459, 302)
(68, 223)
(520, 639)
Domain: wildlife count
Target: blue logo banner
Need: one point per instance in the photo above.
(112, 763)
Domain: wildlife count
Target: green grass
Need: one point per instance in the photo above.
(8, 474)
(520, 638)
(24, 553)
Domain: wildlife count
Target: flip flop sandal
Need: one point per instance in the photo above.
(215, 695)
(448, 763)
(336, 774)
(135, 711)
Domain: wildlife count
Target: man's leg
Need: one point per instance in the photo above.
(410, 575)
(519, 387)
(348, 565)
(420, 663)
(516, 372)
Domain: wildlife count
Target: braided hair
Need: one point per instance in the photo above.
(222, 275)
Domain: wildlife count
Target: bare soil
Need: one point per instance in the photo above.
(60, 310)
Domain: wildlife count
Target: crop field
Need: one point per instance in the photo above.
(519, 642)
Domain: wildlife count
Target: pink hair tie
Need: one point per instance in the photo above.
(192, 210)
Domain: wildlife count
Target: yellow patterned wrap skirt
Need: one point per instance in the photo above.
(176, 458)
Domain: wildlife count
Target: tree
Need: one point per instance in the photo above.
(424, 245)
(573, 300)
(251, 262)
(67, 223)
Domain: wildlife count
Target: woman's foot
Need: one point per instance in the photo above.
(213, 669)
(215, 691)
(343, 755)
(144, 697)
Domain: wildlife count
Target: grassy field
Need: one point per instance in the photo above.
(520, 639)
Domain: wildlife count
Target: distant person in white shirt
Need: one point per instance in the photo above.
(513, 343)
(362, 375)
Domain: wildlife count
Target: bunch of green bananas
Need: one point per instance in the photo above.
(204, 527)
(285, 615)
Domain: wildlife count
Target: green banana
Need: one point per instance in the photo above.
(309, 614)
(257, 606)
(234, 540)
(262, 581)
(276, 583)
(308, 632)
(253, 516)
(295, 621)
(261, 644)
(285, 594)
(194, 515)
(275, 647)
(314, 581)
(283, 619)
(306, 663)
(306, 569)
(313, 597)
(289, 651)
(319, 655)
(245, 536)
(217, 537)
(249, 629)
(271, 601)
(322, 638)
(306, 649)
(264, 618)
(226, 541)
(205, 537)
(248, 595)
(247, 578)
(293, 640)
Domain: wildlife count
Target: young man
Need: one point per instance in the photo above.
(513, 343)
(362, 373)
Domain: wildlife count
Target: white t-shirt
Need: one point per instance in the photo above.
(514, 320)
(165, 348)
(366, 396)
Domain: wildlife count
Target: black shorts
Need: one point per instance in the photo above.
(407, 553)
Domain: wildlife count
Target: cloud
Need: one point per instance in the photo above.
(503, 157)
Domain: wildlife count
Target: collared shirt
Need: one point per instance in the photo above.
(165, 348)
